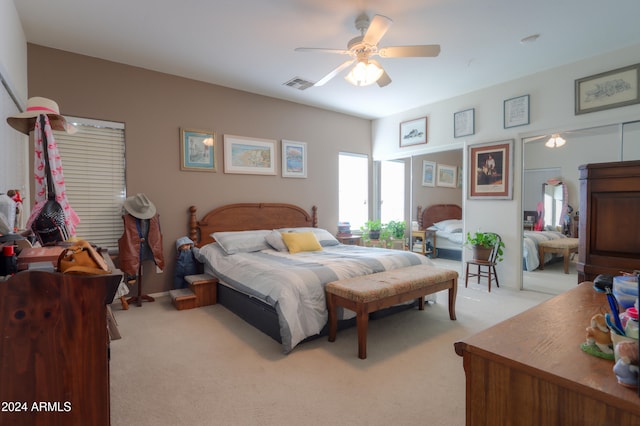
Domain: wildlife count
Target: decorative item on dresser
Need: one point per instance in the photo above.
(609, 212)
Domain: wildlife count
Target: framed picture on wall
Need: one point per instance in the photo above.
(463, 123)
(428, 173)
(516, 111)
(197, 150)
(447, 176)
(294, 159)
(611, 89)
(249, 155)
(413, 132)
(491, 170)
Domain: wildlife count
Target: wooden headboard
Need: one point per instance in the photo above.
(436, 213)
(248, 216)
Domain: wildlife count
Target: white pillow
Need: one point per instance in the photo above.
(443, 223)
(325, 237)
(242, 241)
(453, 228)
(274, 239)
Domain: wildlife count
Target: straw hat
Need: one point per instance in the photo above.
(25, 121)
(140, 206)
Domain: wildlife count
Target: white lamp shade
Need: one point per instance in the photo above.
(364, 74)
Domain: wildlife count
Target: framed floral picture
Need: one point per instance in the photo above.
(491, 170)
(249, 155)
(294, 159)
(197, 150)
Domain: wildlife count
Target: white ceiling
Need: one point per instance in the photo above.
(249, 44)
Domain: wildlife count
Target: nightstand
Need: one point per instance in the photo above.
(424, 235)
(352, 240)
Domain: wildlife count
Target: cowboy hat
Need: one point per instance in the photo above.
(140, 206)
(25, 121)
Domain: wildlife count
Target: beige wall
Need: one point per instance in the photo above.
(154, 106)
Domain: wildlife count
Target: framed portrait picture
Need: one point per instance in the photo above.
(491, 170)
(447, 175)
(294, 159)
(463, 123)
(197, 150)
(413, 132)
(611, 89)
(428, 173)
(516, 111)
(253, 156)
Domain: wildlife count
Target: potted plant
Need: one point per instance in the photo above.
(482, 243)
(397, 229)
(371, 229)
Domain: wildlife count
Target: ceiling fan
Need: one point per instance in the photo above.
(361, 48)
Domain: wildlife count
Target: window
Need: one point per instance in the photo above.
(353, 189)
(94, 164)
(392, 191)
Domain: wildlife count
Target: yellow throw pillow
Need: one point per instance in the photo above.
(301, 241)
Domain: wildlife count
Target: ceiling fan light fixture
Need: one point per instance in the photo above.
(555, 141)
(364, 74)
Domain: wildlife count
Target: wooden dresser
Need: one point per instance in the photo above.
(609, 227)
(530, 370)
(54, 360)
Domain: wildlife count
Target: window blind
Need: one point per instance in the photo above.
(93, 164)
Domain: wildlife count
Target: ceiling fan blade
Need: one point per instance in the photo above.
(377, 28)
(384, 78)
(322, 50)
(422, 51)
(335, 72)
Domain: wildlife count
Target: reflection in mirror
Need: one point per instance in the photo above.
(541, 163)
(428, 190)
(555, 206)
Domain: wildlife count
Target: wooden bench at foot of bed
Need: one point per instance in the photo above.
(370, 293)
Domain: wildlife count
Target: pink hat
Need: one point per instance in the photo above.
(25, 121)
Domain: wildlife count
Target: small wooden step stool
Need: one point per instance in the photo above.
(202, 291)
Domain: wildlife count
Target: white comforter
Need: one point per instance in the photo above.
(294, 283)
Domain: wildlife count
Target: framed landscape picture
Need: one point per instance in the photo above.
(249, 155)
(294, 159)
(413, 132)
(447, 176)
(491, 170)
(197, 150)
(428, 173)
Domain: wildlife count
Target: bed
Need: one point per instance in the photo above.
(446, 221)
(530, 253)
(269, 284)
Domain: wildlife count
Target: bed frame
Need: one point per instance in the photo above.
(253, 216)
(436, 213)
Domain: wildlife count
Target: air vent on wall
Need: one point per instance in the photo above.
(299, 83)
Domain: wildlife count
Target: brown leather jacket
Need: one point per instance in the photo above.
(129, 244)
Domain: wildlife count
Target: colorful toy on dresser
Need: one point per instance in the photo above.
(614, 335)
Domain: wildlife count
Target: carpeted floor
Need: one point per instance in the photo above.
(206, 366)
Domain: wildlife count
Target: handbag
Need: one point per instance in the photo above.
(49, 226)
(81, 258)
